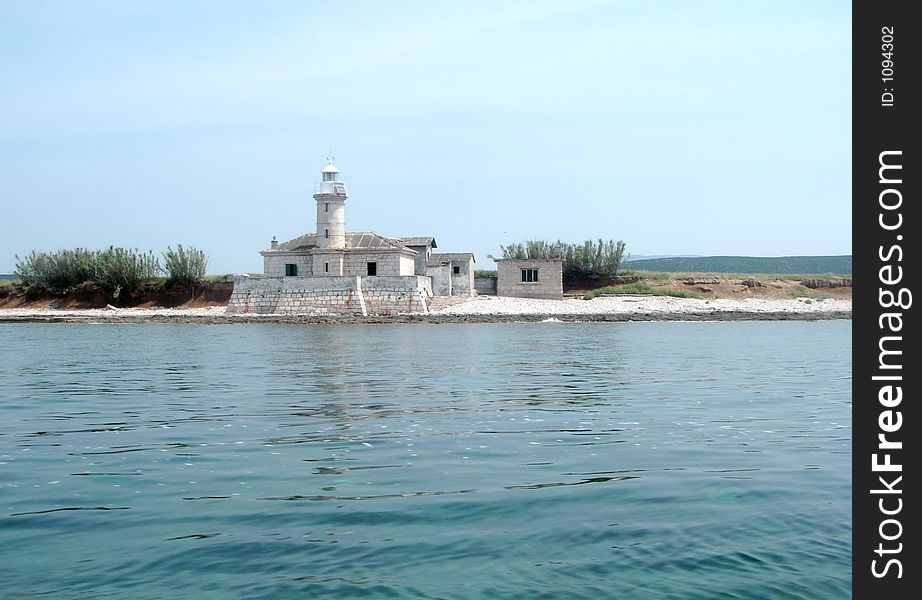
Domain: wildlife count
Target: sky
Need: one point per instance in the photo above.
(705, 128)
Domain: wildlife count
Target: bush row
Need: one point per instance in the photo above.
(115, 270)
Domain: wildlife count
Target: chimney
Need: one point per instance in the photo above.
(274, 243)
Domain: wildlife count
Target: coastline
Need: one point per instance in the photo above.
(481, 309)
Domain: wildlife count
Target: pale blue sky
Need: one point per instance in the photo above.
(680, 127)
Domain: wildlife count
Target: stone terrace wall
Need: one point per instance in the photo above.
(394, 295)
(255, 295)
(346, 296)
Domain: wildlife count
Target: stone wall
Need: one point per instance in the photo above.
(328, 263)
(462, 283)
(509, 278)
(341, 263)
(421, 259)
(389, 263)
(274, 265)
(440, 277)
(345, 296)
(485, 286)
(408, 265)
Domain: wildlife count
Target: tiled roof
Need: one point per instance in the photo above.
(362, 240)
(437, 258)
(370, 241)
(305, 242)
(418, 241)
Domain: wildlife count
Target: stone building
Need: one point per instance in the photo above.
(531, 278)
(423, 247)
(452, 273)
(332, 271)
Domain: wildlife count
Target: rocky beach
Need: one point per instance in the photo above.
(482, 309)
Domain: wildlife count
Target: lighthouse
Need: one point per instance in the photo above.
(330, 195)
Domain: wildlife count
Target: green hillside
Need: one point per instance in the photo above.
(795, 265)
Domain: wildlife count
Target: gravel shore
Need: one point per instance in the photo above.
(483, 309)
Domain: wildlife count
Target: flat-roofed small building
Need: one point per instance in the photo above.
(530, 278)
(452, 273)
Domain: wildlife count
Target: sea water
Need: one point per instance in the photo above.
(533, 460)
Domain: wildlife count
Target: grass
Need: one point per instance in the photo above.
(638, 288)
(660, 276)
(226, 278)
(657, 276)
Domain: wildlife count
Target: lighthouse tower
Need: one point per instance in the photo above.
(331, 196)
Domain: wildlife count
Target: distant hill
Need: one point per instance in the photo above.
(794, 265)
(7, 277)
(651, 256)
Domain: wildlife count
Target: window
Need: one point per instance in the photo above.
(456, 270)
(372, 268)
(529, 275)
(291, 270)
(326, 267)
(326, 233)
(326, 207)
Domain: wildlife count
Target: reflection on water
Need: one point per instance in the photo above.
(692, 460)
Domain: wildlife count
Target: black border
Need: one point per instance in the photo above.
(877, 128)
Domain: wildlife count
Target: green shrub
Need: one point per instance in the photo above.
(123, 270)
(591, 260)
(531, 249)
(115, 270)
(57, 270)
(184, 267)
(484, 273)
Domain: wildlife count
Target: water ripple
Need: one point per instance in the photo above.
(681, 460)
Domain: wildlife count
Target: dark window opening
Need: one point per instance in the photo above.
(291, 270)
(326, 207)
(456, 270)
(529, 275)
(326, 233)
(326, 267)
(372, 268)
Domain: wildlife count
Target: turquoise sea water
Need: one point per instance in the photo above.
(545, 460)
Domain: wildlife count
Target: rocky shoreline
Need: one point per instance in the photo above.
(483, 309)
